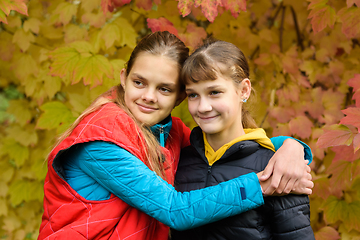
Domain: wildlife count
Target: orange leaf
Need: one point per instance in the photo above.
(194, 35)
(341, 176)
(235, 6)
(327, 233)
(352, 117)
(350, 18)
(336, 135)
(263, 59)
(322, 187)
(350, 3)
(94, 19)
(321, 15)
(144, 4)
(356, 142)
(301, 126)
(162, 24)
(355, 84)
(345, 153)
(184, 7)
(209, 8)
(18, 5)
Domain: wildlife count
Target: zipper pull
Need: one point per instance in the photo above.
(162, 138)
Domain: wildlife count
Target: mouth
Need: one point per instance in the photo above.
(146, 109)
(207, 118)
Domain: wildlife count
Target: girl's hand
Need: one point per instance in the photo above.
(288, 171)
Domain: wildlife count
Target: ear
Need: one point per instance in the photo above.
(123, 77)
(181, 97)
(245, 88)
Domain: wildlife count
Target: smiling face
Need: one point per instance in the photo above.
(152, 88)
(216, 106)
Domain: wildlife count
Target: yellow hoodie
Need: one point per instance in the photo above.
(258, 135)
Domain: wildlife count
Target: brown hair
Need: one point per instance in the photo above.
(216, 57)
(158, 44)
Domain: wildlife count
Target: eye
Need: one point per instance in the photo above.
(192, 95)
(214, 93)
(165, 90)
(138, 83)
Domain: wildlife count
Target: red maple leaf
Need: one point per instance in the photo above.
(301, 126)
(355, 84)
(194, 35)
(352, 117)
(350, 18)
(162, 24)
(235, 6)
(350, 3)
(345, 153)
(336, 135)
(321, 15)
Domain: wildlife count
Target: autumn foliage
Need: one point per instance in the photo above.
(56, 56)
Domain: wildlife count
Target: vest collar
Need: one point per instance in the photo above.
(162, 130)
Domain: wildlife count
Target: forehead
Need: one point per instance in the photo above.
(155, 67)
(219, 82)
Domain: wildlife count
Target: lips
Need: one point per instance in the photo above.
(203, 118)
(146, 109)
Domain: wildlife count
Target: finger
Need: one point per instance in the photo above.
(273, 185)
(267, 171)
(289, 186)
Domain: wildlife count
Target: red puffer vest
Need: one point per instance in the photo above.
(67, 215)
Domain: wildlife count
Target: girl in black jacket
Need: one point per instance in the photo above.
(228, 144)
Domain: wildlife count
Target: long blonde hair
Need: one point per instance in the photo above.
(215, 57)
(158, 44)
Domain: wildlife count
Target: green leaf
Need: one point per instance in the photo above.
(55, 116)
(335, 210)
(6, 170)
(20, 109)
(15, 151)
(352, 221)
(25, 136)
(65, 60)
(19, 191)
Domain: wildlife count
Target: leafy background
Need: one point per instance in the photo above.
(57, 56)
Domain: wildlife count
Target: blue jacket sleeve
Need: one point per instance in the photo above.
(278, 142)
(131, 180)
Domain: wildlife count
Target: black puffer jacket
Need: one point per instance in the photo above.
(286, 217)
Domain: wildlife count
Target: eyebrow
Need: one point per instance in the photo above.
(138, 76)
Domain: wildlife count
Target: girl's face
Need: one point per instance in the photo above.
(152, 88)
(216, 105)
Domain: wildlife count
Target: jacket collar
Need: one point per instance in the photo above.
(162, 130)
(236, 151)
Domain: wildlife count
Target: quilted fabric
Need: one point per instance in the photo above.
(66, 213)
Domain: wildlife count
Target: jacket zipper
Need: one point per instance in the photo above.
(162, 139)
(208, 176)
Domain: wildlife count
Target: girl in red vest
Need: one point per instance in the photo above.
(111, 174)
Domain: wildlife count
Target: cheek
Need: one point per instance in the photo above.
(192, 107)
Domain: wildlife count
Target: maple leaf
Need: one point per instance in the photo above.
(336, 135)
(19, 191)
(327, 233)
(185, 6)
(65, 11)
(350, 18)
(20, 109)
(194, 35)
(6, 46)
(263, 59)
(23, 39)
(356, 142)
(342, 173)
(54, 116)
(350, 3)
(352, 220)
(321, 15)
(15, 151)
(322, 187)
(64, 61)
(334, 209)
(144, 4)
(25, 137)
(110, 33)
(92, 68)
(355, 84)
(345, 153)
(235, 6)
(90, 5)
(7, 5)
(301, 126)
(32, 24)
(352, 117)
(128, 34)
(94, 19)
(162, 24)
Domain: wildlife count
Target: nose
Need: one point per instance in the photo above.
(204, 105)
(149, 95)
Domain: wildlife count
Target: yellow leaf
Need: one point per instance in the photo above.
(6, 170)
(79, 97)
(94, 19)
(11, 222)
(27, 65)
(90, 5)
(25, 136)
(50, 32)
(32, 24)
(6, 46)
(39, 166)
(64, 12)
(65, 60)
(15, 151)
(74, 33)
(110, 33)
(20, 109)
(127, 32)
(92, 68)
(3, 207)
(23, 39)
(3, 189)
(117, 65)
(19, 191)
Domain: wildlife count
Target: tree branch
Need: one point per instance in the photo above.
(298, 34)
(282, 28)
